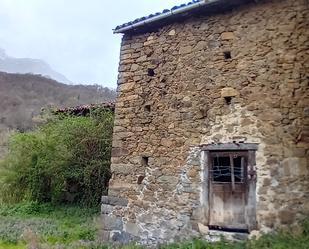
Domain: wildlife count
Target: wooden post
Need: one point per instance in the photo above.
(205, 160)
(251, 204)
(242, 170)
(232, 173)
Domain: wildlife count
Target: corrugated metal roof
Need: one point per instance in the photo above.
(144, 18)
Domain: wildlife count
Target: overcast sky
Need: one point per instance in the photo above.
(74, 36)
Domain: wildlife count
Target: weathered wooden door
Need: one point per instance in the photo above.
(228, 189)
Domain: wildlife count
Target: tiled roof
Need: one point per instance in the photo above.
(144, 18)
(84, 109)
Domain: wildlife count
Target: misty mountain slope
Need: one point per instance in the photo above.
(26, 65)
(22, 96)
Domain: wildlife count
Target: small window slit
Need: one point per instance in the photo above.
(227, 55)
(145, 161)
(228, 100)
(147, 108)
(140, 180)
(151, 72)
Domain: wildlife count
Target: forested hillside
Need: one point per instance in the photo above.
(22, 97)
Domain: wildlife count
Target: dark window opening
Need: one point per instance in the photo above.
(151, 72)
(140, 179)
(228, 167)
(147, 108)
(145, 161)
(227, 55)
(221, 171)
(228, 100)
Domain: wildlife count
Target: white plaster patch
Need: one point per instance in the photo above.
(184, 179)
(203, 197)
(249, 133)
(274, 182)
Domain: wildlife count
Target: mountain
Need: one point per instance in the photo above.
(22, 97)
(26, 65)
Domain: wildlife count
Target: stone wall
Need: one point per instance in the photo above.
(239, 76)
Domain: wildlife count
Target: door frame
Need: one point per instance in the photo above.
(250, 207)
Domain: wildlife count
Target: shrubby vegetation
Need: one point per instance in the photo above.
(52, 180)
(66, 160)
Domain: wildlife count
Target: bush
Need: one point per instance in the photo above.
(65, 160)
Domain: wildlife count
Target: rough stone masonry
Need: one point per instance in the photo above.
(237, 77)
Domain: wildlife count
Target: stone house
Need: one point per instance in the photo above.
(211, 121)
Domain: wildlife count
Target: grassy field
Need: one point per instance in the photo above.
(44, 224)
(68, 227)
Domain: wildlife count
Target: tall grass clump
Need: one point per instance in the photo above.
(65, 160)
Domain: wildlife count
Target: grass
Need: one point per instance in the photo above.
(297, 238)
(6, 245)
(71, 227)
(46, 223)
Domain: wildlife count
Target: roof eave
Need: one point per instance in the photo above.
(164, 16)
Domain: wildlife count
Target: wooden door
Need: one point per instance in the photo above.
(228, 190)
